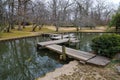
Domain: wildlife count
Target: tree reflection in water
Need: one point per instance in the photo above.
(19, 60)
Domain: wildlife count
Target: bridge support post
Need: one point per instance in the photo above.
(63, 53)
(62, 36)
(69, 41)
(37, 47)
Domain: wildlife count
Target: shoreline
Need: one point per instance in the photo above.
(76, 71)
(15, 38)
(39, 34)
(66, 69)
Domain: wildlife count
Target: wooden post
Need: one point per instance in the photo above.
(62, 36)
(37, 47)
(64, 52)
(69, 40)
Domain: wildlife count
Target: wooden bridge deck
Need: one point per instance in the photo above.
(77, 54)
(55, 42)
(80, 55)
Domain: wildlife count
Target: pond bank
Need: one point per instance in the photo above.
(76, 71)
(14, 34)
(38, 34)
(20, 37)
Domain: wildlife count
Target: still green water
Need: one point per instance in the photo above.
(19, 59)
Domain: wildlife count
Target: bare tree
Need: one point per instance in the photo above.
(10, 15)
(59, 12)
(82, 13)
(40, 15)
(25, 5)
(19, 14)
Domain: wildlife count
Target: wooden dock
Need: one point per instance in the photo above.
(99, 60)
(42, 44)
(82, 56)
(79, 55)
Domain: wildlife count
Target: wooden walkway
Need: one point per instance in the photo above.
(42, 44)
(99, 60)
(79, 55)
(82, 56)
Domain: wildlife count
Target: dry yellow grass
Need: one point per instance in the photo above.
(25, 32)
(46, 29)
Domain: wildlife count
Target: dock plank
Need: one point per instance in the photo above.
(55, 42)
(99, 60)
(80, 55)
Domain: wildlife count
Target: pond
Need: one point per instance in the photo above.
(19, 59)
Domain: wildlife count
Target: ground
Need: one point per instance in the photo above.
(76, 71)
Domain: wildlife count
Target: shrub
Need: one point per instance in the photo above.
(106, 45)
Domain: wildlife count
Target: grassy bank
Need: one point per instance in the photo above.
(25, 32)
(46, 29)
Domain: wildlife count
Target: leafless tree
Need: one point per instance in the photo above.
(59, 12)
(40, 15)
(81, 13)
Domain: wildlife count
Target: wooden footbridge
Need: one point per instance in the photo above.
(82, 56)
(79, 55)
(42, 44)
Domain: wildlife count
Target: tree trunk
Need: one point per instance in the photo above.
(19, 14)
(40, 27)
(34, 27)
(24, 13)
(8, 29)
(19, 26)
(12, 15)
(23, 24)
(57, 28)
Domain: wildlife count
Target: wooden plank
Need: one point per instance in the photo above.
(80, 55)
(99, 60)
(54, 42)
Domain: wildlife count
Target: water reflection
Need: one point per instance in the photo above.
(85, 41)
(20, 60)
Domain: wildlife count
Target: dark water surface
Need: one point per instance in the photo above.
(19, 59)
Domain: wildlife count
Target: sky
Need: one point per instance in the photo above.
(115, 1)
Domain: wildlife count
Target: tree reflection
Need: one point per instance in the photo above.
(20, 60)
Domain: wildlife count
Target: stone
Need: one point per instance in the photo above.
(118, 69)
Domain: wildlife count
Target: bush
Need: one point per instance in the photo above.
(106, 45)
